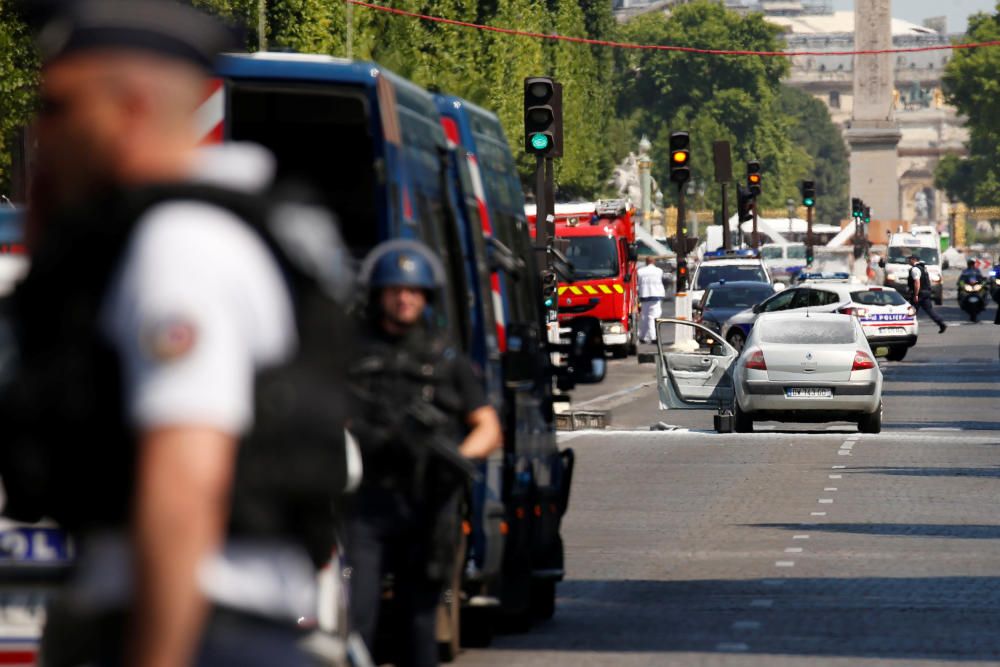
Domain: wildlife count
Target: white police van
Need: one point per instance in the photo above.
(728, 266)
(897, 266)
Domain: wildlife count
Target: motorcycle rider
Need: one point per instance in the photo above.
(407, 509)
(971, 272)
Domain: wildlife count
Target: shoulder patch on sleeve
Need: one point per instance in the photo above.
(168, 338)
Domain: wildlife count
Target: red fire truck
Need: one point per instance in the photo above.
(600, 243)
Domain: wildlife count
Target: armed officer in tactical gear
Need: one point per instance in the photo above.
(920, 288)
(422, 415)
(178, 397)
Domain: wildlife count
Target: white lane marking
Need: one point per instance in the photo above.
(766, 604)
(826, 501)
(613, 395)
(847, 445)
(800, 537)
(843, 452)
(830, 488)
(732, 647)
(836, 476)
(817, 513)
(746, 625)
(839, 467)
(938, 428)
(793, 550)
(784, 563)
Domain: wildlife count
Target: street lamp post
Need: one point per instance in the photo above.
(645, 179)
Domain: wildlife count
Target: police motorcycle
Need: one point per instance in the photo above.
(972, 295)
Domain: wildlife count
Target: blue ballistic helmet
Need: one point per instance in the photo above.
(402, 263)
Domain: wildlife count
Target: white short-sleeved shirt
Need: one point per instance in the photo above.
(651, 282)
(915, 273)
(199, 305)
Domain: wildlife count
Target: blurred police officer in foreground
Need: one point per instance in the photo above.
(419, 402)
(175, 406)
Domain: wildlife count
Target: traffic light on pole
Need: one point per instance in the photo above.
(680, 157)
(744, 203)
(682, 274)
(867, 217)
(856, 205)
(550, 288)
(754, 177)
(542, 116)
(808, 193)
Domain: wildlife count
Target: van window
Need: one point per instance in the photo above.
(883, 297)
(773, 252)
(321, 137)
(807, 332)
(899, 254)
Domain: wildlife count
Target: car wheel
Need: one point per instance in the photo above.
(619, 351)
(736, 339)
(871, 423)
(897, 353)
(742, 422)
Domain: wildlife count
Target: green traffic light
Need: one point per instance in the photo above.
(549, 303)
(539, 142)
(808, 202)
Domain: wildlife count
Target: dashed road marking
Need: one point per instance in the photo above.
(763, 603)
(826, 501)
(847, 445)
(793, 550)
(746, 625)
(839, 467)
(800, 537)
(836, 476)
(843, 452)
(830, 488)
(784, 563)
(817, 513)
(732, 647)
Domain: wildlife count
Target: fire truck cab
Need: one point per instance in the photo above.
(599, 241)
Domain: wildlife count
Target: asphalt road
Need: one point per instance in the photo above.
(790, 546)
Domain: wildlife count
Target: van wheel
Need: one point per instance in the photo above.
(897, 353)
(736, 339)
(871, 423)
(742, 422)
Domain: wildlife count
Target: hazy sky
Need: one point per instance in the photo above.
(916, 11)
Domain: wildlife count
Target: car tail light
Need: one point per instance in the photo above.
(911, 311)
(756, 361)
(862, 362)
(854, 310)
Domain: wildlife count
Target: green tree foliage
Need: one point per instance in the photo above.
(972, 84)
(18, 75)
(814, 131)
(733, 98)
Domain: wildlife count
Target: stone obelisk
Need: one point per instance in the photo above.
(874, 134)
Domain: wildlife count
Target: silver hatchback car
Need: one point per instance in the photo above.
(794, 368)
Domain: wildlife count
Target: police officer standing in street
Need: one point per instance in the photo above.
(420, 404)
(920, 289)
(651, 295)
(177, 403)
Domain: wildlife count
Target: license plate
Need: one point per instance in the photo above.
(893, 330)
(808, 392)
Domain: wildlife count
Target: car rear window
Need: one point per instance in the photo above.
(709, 274)
(878, 298)
(808, 332)
(738, 297)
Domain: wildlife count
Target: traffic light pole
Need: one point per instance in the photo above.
(550, 203)
(754, 236)
(727, 236)
(681, 213)
(809, 231)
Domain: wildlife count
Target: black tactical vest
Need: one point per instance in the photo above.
(925, 279)
(68, 451)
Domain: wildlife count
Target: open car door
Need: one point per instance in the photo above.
(693, 367)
